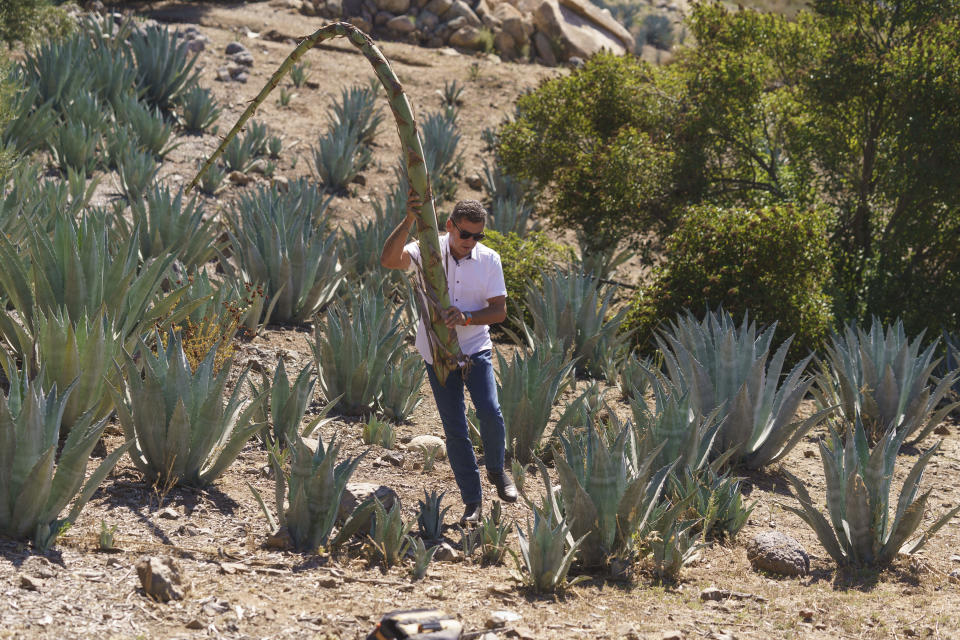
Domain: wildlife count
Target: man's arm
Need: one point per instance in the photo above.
(393, 256)
(494, 312)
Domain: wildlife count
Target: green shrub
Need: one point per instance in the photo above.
(524, 259)
(593, 142)
(27, 20)
(772, 261)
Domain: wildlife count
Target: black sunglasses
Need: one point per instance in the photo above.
(465, 235)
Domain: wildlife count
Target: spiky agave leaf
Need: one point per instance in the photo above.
(858, 482)
(315, 484)
(607, 493)
(445, 348)
(527, 387)
(881, 377)
(183, 432)
(34, 487)
(723, 366)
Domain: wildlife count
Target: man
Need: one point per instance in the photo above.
(478, 299)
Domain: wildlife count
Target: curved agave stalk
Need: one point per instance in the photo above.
(446, 350)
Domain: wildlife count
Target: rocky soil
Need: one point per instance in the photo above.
(235, 587)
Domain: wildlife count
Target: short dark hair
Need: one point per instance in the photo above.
(472, 210)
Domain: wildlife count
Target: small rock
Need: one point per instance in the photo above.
(223, 75)
(446, 553)
(429, 441)
(475, 182)
(712, 593)
(235, 47)
(29, 583)
(954, 558)
(194, 624)
(489, 635)
(778, 553)
(357, 492)
(360, 179)
(955, 576)
(240, 178)
(809, 453)
(169, 514)
(498, 619)
(280, 540)
(672, 635)
(393, 457)
(942, 430)
(244, 58)
(329, 582)
(434, 591)
(161, 578)
(806, 614)
(45, 621)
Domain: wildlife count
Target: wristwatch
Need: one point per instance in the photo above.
(467, 318)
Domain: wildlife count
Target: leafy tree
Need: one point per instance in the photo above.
(591, 140)
(851, 106)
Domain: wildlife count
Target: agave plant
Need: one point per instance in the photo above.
(183, 433)
(76, 270)
(357, 111)
(32, 123)
(164, 224)
(721, 366)
(278, 238)
(443, 160)
(339, 157)
(881, 377)
(493, 536)
(147, 124)
(714, 501)
(164, 66)
(430, 515)
(75, 146)
(37, 484)
(138, 171)
(548, 547)
(608, 490)
(352, 350)
(422, 556)
(570, 312)
(312, 490)
(635, 377)
(400, 391)
(58, 69)
(671, 542)
(527, 386)
(199, 109)
(287, 405)
(685, 435)
(860, 530)
(389, 533)
(79, 353)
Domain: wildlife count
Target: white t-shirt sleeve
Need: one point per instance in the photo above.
(495, 283)
(413, 250)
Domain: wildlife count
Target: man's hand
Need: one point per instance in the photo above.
(453, 317)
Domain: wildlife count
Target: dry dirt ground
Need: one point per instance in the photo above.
(241, 590)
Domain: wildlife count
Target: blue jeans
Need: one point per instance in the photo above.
(452, 408)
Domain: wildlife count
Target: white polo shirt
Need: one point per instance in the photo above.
(471, 281)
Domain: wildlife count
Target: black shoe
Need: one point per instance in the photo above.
(471, 514)
(504, 484)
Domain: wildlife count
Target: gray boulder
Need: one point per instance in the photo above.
(460, 8)
(439, 7)
(393, 6)
(401, 24)
(357, 492)
(778, 553)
